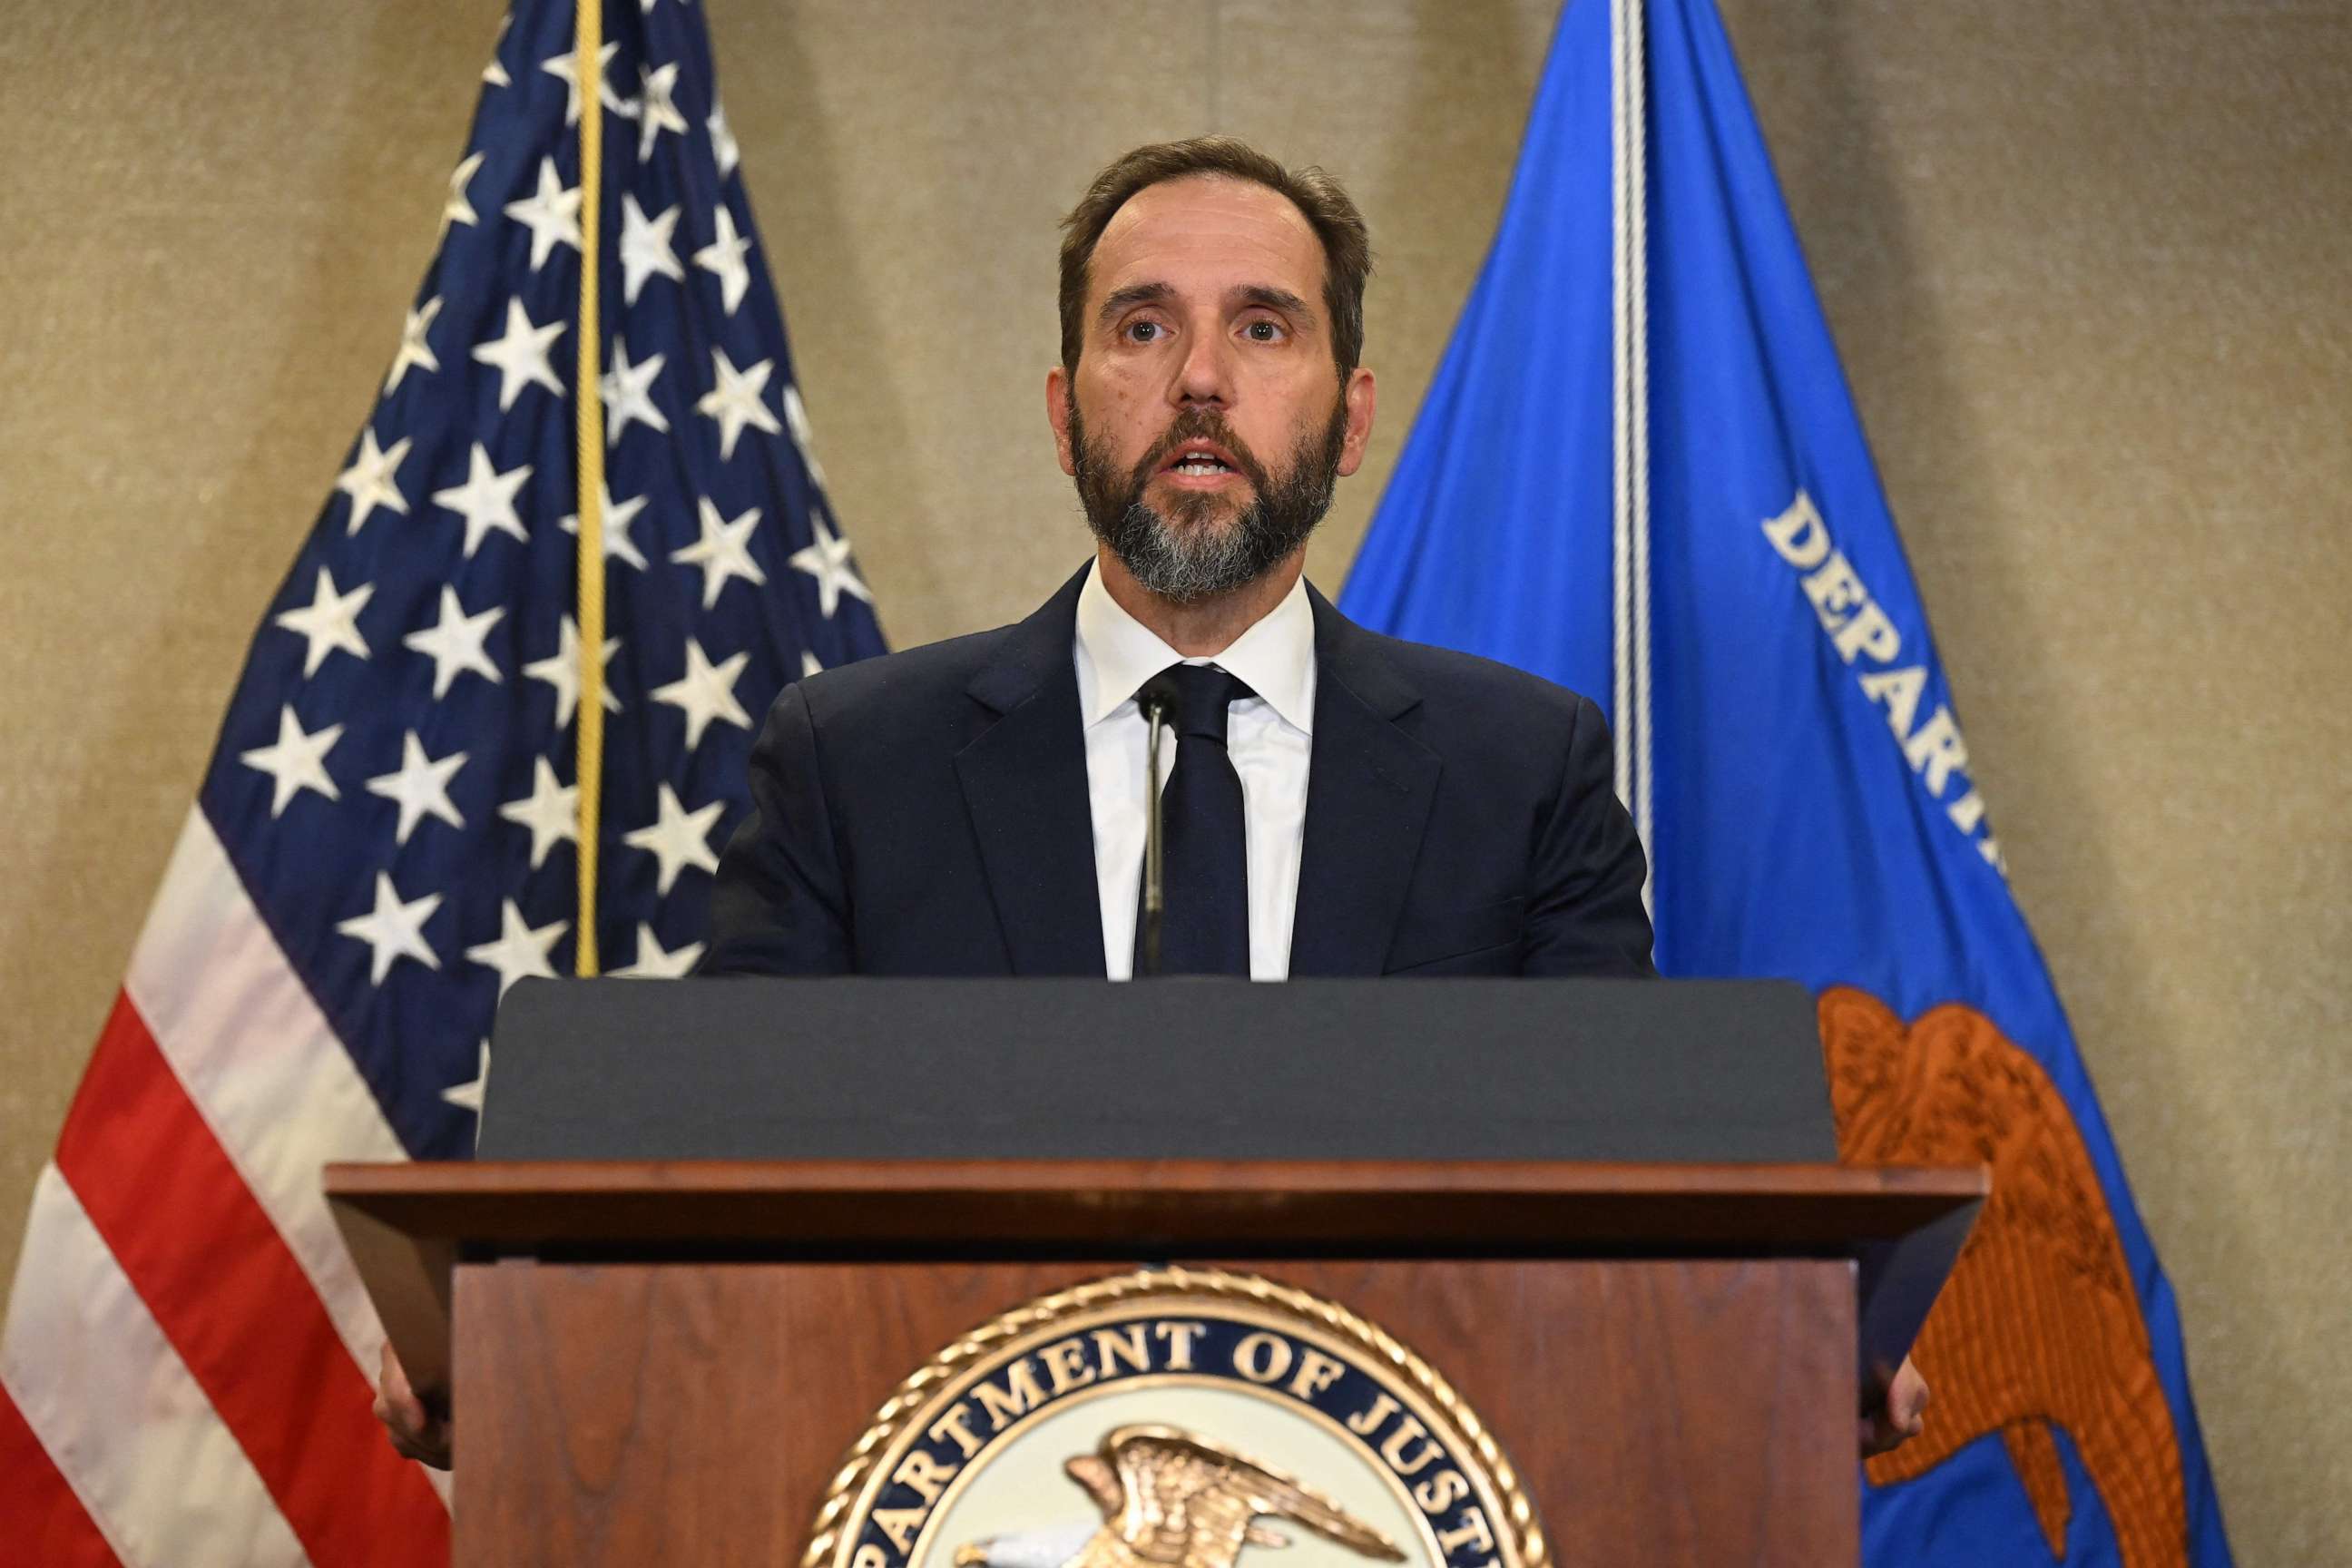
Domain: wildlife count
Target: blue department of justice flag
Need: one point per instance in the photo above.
(1639, 472)
(387, 835)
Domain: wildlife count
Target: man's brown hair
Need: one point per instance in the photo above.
(1347, 246)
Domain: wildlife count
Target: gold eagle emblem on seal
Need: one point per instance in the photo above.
(1172, 1499)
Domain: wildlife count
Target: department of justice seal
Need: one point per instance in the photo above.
(1176, 1419)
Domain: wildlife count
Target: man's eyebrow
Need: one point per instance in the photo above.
(1271, 298)
(1121, 300)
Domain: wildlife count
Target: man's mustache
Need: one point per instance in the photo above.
(1200, 425)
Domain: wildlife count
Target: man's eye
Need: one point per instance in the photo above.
(1264, 332)
(1142, 331)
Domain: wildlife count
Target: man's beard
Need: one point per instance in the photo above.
(1184, 556)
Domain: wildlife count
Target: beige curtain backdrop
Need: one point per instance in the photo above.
(2086, 263)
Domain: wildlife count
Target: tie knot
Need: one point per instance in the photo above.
(1202, 695)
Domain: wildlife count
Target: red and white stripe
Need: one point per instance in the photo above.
(187, 1360)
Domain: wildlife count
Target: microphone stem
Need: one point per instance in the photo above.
(1155, 889)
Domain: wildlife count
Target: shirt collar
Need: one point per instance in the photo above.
(1117, 654)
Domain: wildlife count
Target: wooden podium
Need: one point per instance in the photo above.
(664, 1362)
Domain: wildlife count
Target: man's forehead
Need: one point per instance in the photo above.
(1190, 229)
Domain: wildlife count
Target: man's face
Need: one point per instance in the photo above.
(1207, 421)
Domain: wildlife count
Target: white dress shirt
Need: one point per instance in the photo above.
(1269, 736)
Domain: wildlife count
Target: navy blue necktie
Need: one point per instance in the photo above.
(1205, 844)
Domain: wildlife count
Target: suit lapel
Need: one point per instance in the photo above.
(1369, 786)
(1025, 784)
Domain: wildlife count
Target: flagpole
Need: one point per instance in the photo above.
(1637, 313)
(1620, 511)
(588, 43)
(1630, 379)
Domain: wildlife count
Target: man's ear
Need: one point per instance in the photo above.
(1057, 415)
(1361, 398)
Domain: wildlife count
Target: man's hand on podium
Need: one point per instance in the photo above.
(1893, 1409)
(417, 1432)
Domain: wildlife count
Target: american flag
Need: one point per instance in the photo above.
(386, 837)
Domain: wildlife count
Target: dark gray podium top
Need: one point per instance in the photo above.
(1694, 1071)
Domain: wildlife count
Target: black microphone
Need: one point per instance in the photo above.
(1157, 698)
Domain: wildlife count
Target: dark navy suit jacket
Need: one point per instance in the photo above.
(927, 814)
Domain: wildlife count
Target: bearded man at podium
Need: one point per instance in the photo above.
(1336, 802)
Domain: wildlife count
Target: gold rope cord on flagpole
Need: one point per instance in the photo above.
(588, 43)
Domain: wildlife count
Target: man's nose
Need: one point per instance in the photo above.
(1205, 377)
